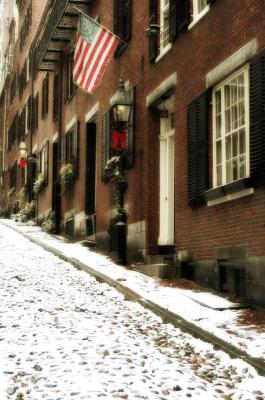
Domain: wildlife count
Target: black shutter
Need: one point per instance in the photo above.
(47, 94)
(63, 155)
(74, 144)
(36, 112)
(127, 20)
(173, 30)
(117, 18)
(46, 163)
(197, 149)
(153, 33)
(257, 119)
(29, 119)
(182, 14)
(130, 135)
(106, 143)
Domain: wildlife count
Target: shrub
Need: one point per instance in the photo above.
(48, 223)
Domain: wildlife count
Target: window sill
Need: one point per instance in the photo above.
(231, 191)
(163, 52)
(199, 17)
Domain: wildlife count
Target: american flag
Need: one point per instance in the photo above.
(94, 47)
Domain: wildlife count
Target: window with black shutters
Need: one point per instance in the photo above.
(45, 97)
(35, 113)
(13, 132)
(13, 89)
(167, 18)
(108, 128)
(70, 147)
(238, 140)
(70, 86)
(44, 161)
(122, 26)
(26, 26)
(13, 176)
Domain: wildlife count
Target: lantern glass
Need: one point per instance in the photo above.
(23, 151)
(121, 104)
(121, 112)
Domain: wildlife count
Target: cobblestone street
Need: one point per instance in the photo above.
(65, 336)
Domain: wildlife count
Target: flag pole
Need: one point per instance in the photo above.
(97, 23)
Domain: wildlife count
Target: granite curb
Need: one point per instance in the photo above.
(166, 315)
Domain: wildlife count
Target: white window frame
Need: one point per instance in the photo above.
(244, 70)
(196, 14)
(163, 9)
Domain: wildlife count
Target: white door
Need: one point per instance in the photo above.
(167, 132)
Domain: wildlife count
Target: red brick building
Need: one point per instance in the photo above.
(195, 141)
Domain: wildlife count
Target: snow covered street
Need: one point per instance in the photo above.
(65, 336)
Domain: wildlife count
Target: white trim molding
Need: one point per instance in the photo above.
(229, 197)
(91, 113)
(71, 123)
(231, 63)
(167, 84)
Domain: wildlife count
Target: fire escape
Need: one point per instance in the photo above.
(60, 29)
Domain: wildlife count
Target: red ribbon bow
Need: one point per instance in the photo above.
(118, 138)
(22, 162)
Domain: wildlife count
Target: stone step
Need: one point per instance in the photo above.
(163, 271)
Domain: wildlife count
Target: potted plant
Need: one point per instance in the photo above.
(66, 177)
(39, 183)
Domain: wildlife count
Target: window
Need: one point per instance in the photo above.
(28, 116)
(45, 97)
(44, 161)
(199, 8)
(13, 176)
(164, 24)
(70, 148)
(231, 129)
(70, 86)
(13, 132)
(35, 113)
(26, 26)
(122, 23)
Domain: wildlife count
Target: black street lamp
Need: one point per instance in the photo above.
(121, 106)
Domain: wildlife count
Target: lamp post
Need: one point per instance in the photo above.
(121, 107)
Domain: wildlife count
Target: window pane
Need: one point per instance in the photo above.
(218, 152)
(241, 113)
(234, 117)
(242, 141)
(219, 175)
(228, 172)
(235, 169)
(218, 102)
(201, 5)
(227, 96)
(234, 91)
(218, 126)
(235, 144)
(242, 167)
(228, 148)
(228, 121)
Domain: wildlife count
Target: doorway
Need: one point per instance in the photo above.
(90, 187)
(166, 204)
(55, 187)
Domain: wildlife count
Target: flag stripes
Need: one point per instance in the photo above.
(92, 55)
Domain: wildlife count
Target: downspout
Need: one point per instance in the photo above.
(59, 147)
(4, 142)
